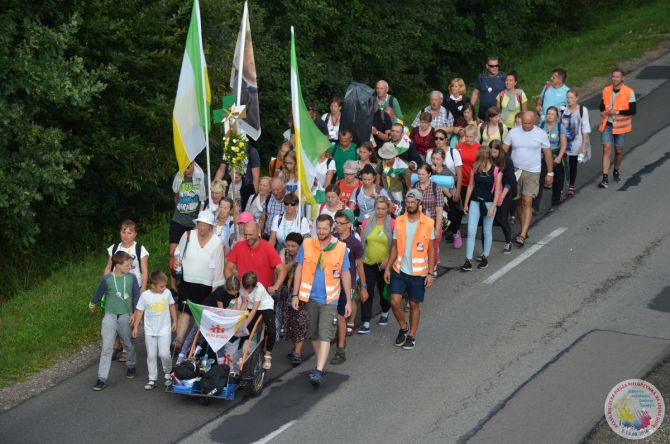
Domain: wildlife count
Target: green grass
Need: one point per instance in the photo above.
(51, 320)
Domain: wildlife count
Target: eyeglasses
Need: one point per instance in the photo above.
(440, 138)
(493, 66)
(341, 223)
(290, 204)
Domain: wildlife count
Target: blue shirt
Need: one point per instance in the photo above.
(554, 97)
(489, 87)
(318, 293)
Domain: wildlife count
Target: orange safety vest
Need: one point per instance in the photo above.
(621, 124)
(419, 243)
(332, 264)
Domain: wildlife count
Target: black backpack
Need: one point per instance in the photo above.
(138, 252)
(186, 370)
(214, 380)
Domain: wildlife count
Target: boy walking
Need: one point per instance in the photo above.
(121, 292)
(160, 319)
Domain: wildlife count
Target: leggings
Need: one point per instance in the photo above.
(487, 229)
(502, 218)
(572, 164)
(374, 278)
(270, 328)
(456, 211)
(556, 188)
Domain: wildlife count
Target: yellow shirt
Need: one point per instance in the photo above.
(376, 246)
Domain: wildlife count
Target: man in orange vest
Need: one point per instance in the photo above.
(617, 109)
(322, 272)
(413, 260)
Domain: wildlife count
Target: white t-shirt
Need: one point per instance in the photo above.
(288, 226)
(333, 130)
(135, 266)
(449, 163)
(527, 147)
(322, 169)
(156, 307)
(260, 294)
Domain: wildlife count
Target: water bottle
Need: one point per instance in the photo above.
(580, 158)
(177, 263)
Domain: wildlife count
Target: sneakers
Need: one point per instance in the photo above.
(339, 358)
(150, 385)
(604, 183)
(131, 373)
(364, 329)
(267, 362)
(409, 344)
(467, 266)
(507, 249)
(383, 319)
(458, 242)
(296, 359)
(316, 378)
(484, 263)
(480, 257)
(616, 175)
(99, 386)
(167, 380)
(553, 208)
(571, 191)
(402, 336)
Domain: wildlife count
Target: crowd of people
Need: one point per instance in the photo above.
(377, 227)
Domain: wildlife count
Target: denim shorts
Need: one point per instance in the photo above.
(616, 139)
(414, 285)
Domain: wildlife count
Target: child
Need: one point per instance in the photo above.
(139, 266)
(259, 302)
(121, 291)
(159, 307)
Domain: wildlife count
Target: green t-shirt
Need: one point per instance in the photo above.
(341, 156)
(119, 294)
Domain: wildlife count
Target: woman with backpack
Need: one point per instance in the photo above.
(332, 118)
(503, 161)
(362, 201)
(257, 202)
(492, 128)
(558, 144)
(289, 172)
(432, 202)
(511, 100)
(575, 120)
(483, 190)
(366, 156)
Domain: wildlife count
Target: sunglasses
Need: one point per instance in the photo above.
(440, 138)
(291, 204)
(493, 66)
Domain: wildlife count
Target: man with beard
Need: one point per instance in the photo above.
(413, 260)
(321, 273)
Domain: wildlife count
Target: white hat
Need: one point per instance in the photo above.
(387, 151)
(205, 217)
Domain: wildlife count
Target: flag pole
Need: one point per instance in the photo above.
(296, 119)
(204, 107)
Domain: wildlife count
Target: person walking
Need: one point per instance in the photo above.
(575, 120)
(617, 108)
(488, 85)
(413, 259)
(320, 276)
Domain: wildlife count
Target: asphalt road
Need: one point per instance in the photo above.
(502, 354)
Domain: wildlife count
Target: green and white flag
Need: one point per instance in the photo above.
(190, 116)
(217, 325)
(310, 143)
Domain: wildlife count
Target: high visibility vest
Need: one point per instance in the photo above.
(332, 262)
(621, 124)
(419, 243)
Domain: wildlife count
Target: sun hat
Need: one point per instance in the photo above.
(387, 151)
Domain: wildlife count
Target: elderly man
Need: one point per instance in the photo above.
(257, 255)
(385, 99)
(442, 118)
(274, 207)
(488, 85)
(405, 147)
(528, 142)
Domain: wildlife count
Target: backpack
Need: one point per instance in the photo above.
(481, 132)
(501, 96)
(138, 252)
(544, 91)
(186, 370)
(215, 380)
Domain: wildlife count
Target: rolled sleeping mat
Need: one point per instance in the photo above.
(441, 181)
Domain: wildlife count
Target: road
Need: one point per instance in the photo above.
(525, 351)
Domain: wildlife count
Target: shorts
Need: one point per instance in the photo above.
(321, 321)
(528, 184)
(414, 285)
(608, 138)
(176, 231)
(195, 293)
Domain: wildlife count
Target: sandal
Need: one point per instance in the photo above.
(267, 362)
(297, 359)
(571, 191)
(122, 357)
(520, 240)
(350, 329)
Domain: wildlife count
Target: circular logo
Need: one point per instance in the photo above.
(634, 409)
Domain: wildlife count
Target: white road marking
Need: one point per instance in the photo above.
(525, 255)
(274, 434)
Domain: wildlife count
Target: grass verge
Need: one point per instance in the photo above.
(51, 320)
